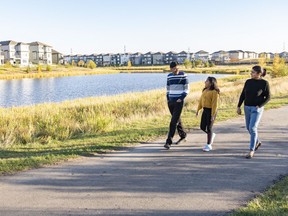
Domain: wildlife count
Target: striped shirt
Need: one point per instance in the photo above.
(177, 86)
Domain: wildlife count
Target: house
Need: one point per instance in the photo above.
(251, 55)
(57, 57)
(40, 53)
(107, 59)
(98, 59)
(115, 59)
(220, 56)
(15, 52)
(236, 55)
(67, 59)
(147, 58)
(1, 56)
(169, 57)
(202, 55)
(158, 58)
(184, 55)
(267, 55)
(124, 58)
(284, 55)
(136, 58)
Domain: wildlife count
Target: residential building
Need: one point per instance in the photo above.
(202, 55)
(98, 59)
(15, 52)
(251, 55)
(124, 58)
(107, 59)
(1, 56)
(220, 56)
(40, 53)
(158, 58)
(57, 57)
(184, 55)
(136, 58)
(147, 58)
(267, 55)
(236, 55)
(284, 55)
(169, 57)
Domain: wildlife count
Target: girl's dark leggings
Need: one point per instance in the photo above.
(206, 124)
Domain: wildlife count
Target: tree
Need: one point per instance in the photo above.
(187, 63)
(211, 64)
(198, 63)
(279, 67)
(91, 64)
(73, 63)
(262, 60)
(129, 64)
(81, 63)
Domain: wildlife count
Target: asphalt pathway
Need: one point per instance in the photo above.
(148, 180)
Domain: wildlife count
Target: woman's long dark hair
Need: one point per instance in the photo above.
(259, 70)
(213, 86)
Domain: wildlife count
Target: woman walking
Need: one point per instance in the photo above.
(209, 103)
(255, 94)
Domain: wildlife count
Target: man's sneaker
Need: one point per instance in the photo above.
(207, 148)
(213, 137)
(257, 145)
(250, 155)
(168, 144)
(182, 139)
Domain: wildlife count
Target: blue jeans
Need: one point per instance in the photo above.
(253, 116)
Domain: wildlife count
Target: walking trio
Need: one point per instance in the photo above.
(255, 95)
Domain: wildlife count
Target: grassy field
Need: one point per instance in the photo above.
(58, 71)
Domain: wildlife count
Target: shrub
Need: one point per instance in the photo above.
(39, 68)
(48, 68)
(279, 67)
(91, 64)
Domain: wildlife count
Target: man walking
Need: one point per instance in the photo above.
(177, 90)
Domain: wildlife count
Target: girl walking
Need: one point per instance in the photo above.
(255, 94)
(209, 103)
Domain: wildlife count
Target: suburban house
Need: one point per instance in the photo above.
(1, 56)
(158, 58)
(124, 58)
(15, 52)
(267, 55)
(184, 55)
(251, 55)
(236, 55)
(169, 57)
(98, 59)
(107, 59)
(147, 58)
(57, 57)
(136, 58)
(284, 55)
(220, 56)
(202, 55)
(40, 53)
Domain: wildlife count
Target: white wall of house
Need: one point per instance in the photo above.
(22, 54)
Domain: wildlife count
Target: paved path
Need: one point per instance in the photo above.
(148, 180)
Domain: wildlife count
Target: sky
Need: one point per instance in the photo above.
(115, 26)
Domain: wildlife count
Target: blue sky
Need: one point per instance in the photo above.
(94, 26)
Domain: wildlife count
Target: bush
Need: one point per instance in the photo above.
(279, 68)
(81, 63)
(39, 68)
(91, 64)
(187, 63)
(48, 68)
(28, 69)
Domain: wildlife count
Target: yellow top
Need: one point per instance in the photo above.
(209, 99)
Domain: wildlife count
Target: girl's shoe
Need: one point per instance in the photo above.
(250, 155)
(207, 148)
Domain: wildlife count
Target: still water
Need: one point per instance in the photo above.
(24, 92)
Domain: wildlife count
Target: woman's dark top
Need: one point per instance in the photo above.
(256, 92)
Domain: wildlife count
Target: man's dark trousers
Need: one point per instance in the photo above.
(175, 109)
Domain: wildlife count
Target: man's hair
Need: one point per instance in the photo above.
(173, 64)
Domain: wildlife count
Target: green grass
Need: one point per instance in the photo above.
(274, 202)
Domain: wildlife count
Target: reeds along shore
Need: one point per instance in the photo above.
(70, 119)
